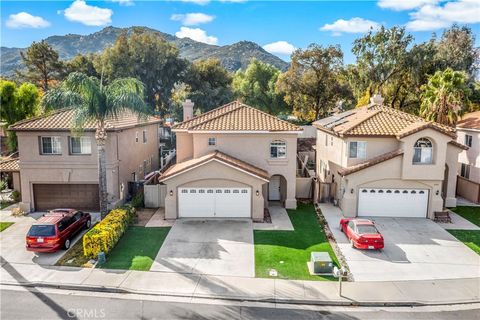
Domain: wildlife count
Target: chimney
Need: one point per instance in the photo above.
(187, 110)
(377, 99)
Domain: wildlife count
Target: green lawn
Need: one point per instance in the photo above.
(137, 249)
(288, 251)
(5, 225)
(470, 238)
(5, 204)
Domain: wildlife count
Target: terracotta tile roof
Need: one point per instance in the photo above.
(217, 155)
(375, 120)
(236, 116)
(9, 165)
(458, 144)
(61, 120)
(370, 162)
(470, 121)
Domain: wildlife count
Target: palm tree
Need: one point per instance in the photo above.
(93, 101)
(445, 97)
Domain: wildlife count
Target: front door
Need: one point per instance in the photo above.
(274, 189)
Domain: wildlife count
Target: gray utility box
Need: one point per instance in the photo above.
(322, 263)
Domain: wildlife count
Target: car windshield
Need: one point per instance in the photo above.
(366, 229)
(42, 230)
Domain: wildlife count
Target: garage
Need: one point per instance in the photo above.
(214, 202)
(387, 202)
(78, 196)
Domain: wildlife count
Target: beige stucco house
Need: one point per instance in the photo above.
(468, 133)
(59, 168)
(230, 162)
(379, 161)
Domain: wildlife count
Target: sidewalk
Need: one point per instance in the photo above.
(391, 293)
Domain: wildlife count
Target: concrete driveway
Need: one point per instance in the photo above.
(211, 247)
(12, 241)
(415, 249)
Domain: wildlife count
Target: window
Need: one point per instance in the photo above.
(80, 145)
(136, 136)
(65, 223)
(331, 141)
(51, 145)
(465, 171)
(144, 136)
(468, 140)
(212, 141)
(278, 149)
(357, 149)
(423, 151)
(326, 140)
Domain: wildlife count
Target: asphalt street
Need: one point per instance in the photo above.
(20, 303)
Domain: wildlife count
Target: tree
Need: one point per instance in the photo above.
(82, 63)
(93, 101)
(42, 63)
(18, 103)
(208, 84)
(256, 86)
(445, 97)
(147, 57)
(311, 83)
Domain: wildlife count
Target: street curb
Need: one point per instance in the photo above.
(350, 303)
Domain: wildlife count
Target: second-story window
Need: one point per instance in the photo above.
(50, 145)
(357, 149)
(136, 136)
(468, 140)
(80, 145)
(144, 136)
(423, 151)
(278, 149)
(465, 171)
(212, 141)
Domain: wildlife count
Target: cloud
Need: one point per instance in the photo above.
(279, 47)
(432, 17)
(400, 5)
(26, 20)
(200, 2)
(192, 19)
(197, 35)
(80, 11)
(354, 25)
(125, 3)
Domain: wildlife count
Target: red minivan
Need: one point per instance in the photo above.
(56, 229)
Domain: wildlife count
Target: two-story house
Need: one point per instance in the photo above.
(60, 169)
(379, 161)
(230, 162)
(468, 131)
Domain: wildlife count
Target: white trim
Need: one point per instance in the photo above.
(235, 132)
(467, 129)
(214, 159)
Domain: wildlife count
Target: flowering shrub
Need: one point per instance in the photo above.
(105, 234)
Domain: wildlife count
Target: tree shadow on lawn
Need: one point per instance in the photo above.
(137, 249)
(288, 251)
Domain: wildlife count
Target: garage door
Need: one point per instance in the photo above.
(214, 202)
(393, 202)
(77, 196)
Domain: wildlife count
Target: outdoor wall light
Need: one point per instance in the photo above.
(437, 192)
(171, 193)
(257, 193)
(351, 190)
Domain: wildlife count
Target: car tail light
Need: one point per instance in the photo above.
(51, 240)
(31, 240)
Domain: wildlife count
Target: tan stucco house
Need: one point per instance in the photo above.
(59, 169)
(468, 133)
(230, 162)
(379, 161)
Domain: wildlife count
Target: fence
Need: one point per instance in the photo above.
(468, 189)
(304, 188)
(154, 195)
(166, 158)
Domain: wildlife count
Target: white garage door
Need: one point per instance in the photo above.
(214, 202)
(393, 202)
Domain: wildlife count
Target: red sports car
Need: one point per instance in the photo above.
(56, 229)
(362, 233)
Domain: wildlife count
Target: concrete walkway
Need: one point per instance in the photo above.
(244, 289)
(158, 220)
(458, 223)
(280, 220)
(461, 202)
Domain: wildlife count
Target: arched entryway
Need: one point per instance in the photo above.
(277, 189)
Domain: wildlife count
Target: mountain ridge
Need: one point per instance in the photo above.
(233, 57)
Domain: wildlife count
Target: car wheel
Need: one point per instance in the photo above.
(66, 245)
(88, 224)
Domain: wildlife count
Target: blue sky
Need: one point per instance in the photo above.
(280, 26)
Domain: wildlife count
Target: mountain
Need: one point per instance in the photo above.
(233, 57)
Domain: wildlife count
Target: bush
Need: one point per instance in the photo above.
(3, 185)
(137, 201)
(104, 235)
(15, 196)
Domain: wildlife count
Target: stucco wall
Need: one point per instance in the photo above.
(472, 155)
(184, 146)
(375, 147)
(214, 174)
(451, 161)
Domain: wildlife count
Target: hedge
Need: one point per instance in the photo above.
(104, 235)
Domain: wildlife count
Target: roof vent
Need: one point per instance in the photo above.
(377, 99)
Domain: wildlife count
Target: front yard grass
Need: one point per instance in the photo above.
(288, 251)
(471, 238)
(137, 249)
(5, 225)
(4, 204)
